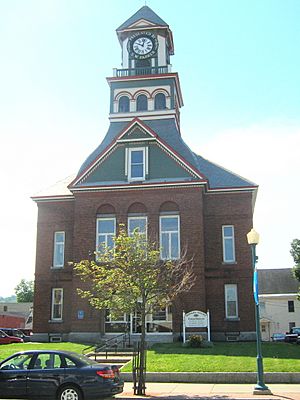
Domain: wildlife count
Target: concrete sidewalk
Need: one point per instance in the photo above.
(211, 391)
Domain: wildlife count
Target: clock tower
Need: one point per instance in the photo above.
(143, 175)
(145, 87)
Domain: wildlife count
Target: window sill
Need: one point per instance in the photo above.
(54, 321)
(232, 319)
(139, 180)
(228, 263)
(57, 268)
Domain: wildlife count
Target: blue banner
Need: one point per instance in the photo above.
(255, 286)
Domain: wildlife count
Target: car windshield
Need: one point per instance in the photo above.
(20, 361)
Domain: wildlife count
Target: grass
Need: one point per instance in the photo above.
(8, 349)
(223, 357)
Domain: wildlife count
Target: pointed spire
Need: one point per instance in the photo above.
(143, 13)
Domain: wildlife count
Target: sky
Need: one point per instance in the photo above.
(238, 63)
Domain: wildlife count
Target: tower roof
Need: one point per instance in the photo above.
(144, 13)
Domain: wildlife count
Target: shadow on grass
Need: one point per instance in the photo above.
(242, 349)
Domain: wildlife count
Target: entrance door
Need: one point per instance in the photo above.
(135, 323)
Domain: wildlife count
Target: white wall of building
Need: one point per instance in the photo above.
(275, 316)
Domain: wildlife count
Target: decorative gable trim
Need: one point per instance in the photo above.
(126, 131)
(141, 23)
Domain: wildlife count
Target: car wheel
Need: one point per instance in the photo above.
(69, 393)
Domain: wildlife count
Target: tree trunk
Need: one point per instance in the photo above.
(141, 389)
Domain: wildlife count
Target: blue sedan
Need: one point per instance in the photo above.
(60, 375)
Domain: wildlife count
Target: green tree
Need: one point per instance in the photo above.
(131, 277)
(24, 291)
(295, 252)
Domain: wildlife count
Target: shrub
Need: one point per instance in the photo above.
(195, 340)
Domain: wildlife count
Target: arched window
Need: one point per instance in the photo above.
(160, 101)
(142, 103)
(124, 104)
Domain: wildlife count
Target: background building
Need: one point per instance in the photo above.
(16, 315)
(143, 174)
(280, 308)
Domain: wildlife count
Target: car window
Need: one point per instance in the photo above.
(69, 363)
(20, 361)
(47, 361)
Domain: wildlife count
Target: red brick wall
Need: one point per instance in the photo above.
(9, 321)
(54, 216)
(201, 219)
(189, 202)
(228, 209)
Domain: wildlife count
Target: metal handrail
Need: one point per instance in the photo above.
(142, 71)
(105, 346)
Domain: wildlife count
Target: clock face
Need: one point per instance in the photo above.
(142, 45)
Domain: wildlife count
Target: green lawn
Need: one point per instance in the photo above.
(223, 357)
(8, 349)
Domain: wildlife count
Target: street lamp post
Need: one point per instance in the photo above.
(260, 387)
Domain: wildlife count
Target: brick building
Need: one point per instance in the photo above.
(144, 175)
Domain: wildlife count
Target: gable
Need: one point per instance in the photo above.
(163, 166)
(142, 23)
(160, 166)
(136, 133)
(145, 13)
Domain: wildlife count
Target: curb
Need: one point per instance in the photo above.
(216, 377)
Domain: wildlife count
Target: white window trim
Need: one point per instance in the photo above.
(52, 304)
(106, 234)
(54, 249)
(228, 261)
(160, 236)
(110, 320)
(227, 287)
(138, 217)
(161, 320)
(145, 162)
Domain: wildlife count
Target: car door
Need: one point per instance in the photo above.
(13, 376)
(45, 376)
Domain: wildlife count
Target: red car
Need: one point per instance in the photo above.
(5, 339)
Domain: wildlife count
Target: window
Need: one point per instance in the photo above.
(159, 321)
(124, 104)
(106, 230)
(20, 361)
(228, 244)
(139, 223)
(169, 237)
(142, 103)
(136, 163)
(291, 325)
(59, 249)
(231, 303)
(160, 102)
(291, 306)
(117, 324)
(48, 361)
(57, 304)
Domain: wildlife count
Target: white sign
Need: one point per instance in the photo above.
(196, 319)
